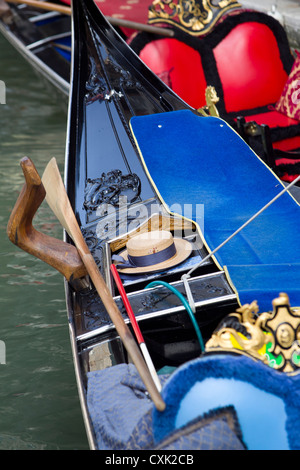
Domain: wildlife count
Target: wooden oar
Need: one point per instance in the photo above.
(58, 254)
(58, 200)
(65, 10)
(135, 326)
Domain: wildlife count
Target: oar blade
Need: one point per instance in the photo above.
(54, 186)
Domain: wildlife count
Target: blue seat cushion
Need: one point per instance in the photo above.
(266, 402)
(194, 160)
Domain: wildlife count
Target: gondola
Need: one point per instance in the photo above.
(43, 38)
(42, 34)
(140, 164)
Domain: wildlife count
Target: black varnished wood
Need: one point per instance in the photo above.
(109, 85)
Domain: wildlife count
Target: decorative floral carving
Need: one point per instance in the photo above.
(193, 16)
(108, 189)
(271, 337)
(289, 101)
(95, 86)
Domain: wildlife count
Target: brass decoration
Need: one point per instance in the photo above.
(195, 17)
(212, 99)
(271, 337)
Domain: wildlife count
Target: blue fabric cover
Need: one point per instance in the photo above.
(117, 402)
(267, 402)
(217, 402)
(121, 414)
(209, 432)
(201, 160)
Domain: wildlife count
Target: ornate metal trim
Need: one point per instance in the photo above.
(271, 337)
(109, 188)
(195, 17)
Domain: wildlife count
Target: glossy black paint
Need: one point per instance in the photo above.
(109, 85)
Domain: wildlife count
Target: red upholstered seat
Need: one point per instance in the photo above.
(179, 66)
(287, 161)
(288, 144)
(274, 120)
(246, 57)
(250, 67)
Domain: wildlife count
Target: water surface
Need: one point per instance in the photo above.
(39, 405)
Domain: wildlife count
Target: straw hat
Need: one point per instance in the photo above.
(152, 251)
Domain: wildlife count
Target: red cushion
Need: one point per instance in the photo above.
(275, 119)
(286, 176)
(179, 66)
(250, 67)
(272, 118)
(292, 143)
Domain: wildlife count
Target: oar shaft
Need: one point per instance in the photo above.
(135, 326)
(127, 305)
(140, 26)
(65, 10)
(121, 327)
(57, 198)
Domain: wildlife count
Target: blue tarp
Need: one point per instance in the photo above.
(217, 402)
(122, 417)
(201, 160)
(266, 402)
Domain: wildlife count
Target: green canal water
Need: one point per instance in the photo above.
(39, 405)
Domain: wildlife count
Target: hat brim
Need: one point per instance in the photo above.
(183, 251)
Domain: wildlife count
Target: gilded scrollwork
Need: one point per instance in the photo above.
(271, 337)
(193, 16)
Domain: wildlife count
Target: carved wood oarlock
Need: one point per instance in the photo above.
(62, 256)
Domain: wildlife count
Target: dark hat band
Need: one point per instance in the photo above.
(146, 260)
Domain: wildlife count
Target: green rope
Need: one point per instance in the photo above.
(186, 305)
